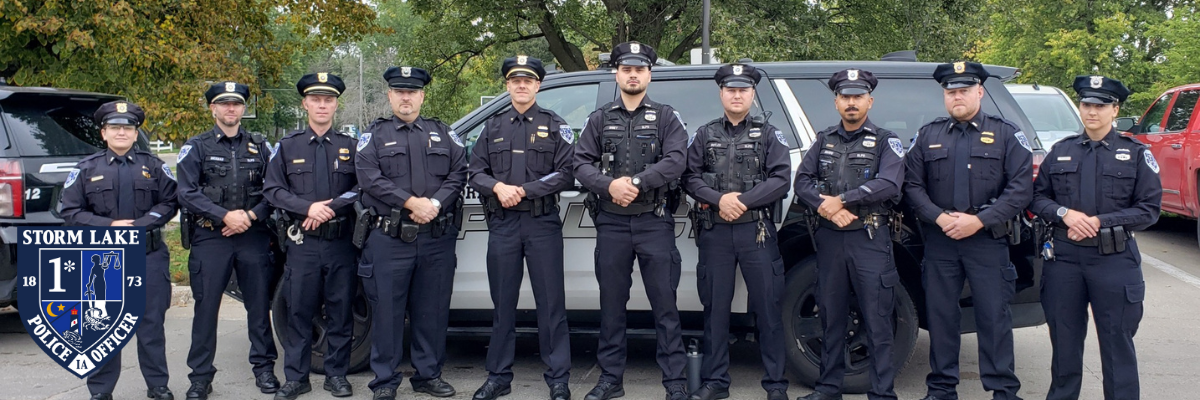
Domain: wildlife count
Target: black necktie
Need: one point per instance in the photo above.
(321, 172)
(125, 198)
(417, 143)
(1087, 180)
(516, 175)
(962, 172)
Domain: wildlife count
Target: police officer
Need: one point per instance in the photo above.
(220, 188)
(967, 178)
(310, 180)
(852, 178)
(737, 169)
(630, 156)
(1096, 189)
(123, 186)
(519, 164)
(411, 170)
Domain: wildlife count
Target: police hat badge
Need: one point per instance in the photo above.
(852, 74)
(521, 60)
(737, 69)
(635, 48)
(81, 291)
(406, 71)
(322, 77)
(1097, 82)
(230, 86)
(960, 67)
(122, 107)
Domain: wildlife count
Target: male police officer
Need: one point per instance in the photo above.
(411, 170)
(1096, 188)
(852, 178)
(630, 156)
(968, 177)
(123, 186)
(737, 169)
(220, 189)
(519, 164)
(310, 178)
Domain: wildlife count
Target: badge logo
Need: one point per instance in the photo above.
(322, 77)
(566, 133)
(543, 134)
(253, 149)
(81, 291)
(71, 177)
(363, 140)
(456, 139)
(1023, 141)
(852, 74)
(406, 71)
(521, 60)
(434, 137)
(183, 152)
(122, 107)
(146, 174)
(1097, 82)
(651, 116)
(230, 86)
(780, 138)
(1150, 160)
(755, 133)
(960, 67)
(737, 69)
(1123, 156)
(987, 140)
(870, 144)
(897, 146)
(635, 48)
(167, 172)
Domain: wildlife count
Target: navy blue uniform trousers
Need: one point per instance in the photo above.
(1112, 284)
(151, 338)
(515, 240)
(723, 249)
(213, 260)
(417, 278)
(982, 262)
(851, 261)
(651, 239)
(317, 270)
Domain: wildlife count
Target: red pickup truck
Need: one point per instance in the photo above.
(1171, 127)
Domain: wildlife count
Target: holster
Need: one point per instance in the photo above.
(408, 231)
(592, 203)
(391, 225)
(185, 228)
(1107, 243)
(154, 240)
(362, 224)
(282, 222)
(1119, 238)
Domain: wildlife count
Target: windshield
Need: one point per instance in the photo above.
(1051, 114)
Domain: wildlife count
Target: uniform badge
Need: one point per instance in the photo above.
(71, 177)
(363, 140)
(870, 144)
(1150, 160)
(456, 139)
(852, 74)
(1023, 141)
(183, 152)
(167, 172)
(651, 116)
(521, 60)
(230, 87)
(780, 138)
(1123, 156)
(322, 77)
(1097, 82)
(987, 133)
(960, 67)
(543, 134)
(737, 69)
(755, 133)
(566, 133)
(253, 148)
(81, 291)
(635, 48)
(146, 174)
(987, 140)
(433, 136)
(122, 107)
(406, 71)
(897, 146)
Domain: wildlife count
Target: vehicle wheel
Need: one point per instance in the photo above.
(802, 329)
(360, 342)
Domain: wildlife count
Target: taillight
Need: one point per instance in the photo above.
(1038, 157)
(12, 189)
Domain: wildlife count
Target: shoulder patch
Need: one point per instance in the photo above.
(273, 149)
(779, 136)
(363, 140)
(456, 139)
(71, 178)
(897, 146)
(679, 118)
(1150, 160)
(567, 134)
(692, 137)
(167, 172)
(183, 152)
(1023, 140)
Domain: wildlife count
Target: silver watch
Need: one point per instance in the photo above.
(1062, 212)
(436, 204)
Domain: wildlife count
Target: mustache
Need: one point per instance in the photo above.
(851, 109)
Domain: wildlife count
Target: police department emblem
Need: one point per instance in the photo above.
(273, 149)
(566, 133)
(755, 133)
(322, 77)
(230, 86)
(183, 152)
(651, 116)
(779, 136)
(406, 71)
(433, 136)
(1097, 82)
(167, 172)
(897, 146)
(456, 139)
(1150, 160)
(852, 74)
(870, 144)
(1123, 156)
(960, 67)
(737, 69)
(521, 60)
(1023, 141)
(71, 177)
(122, 107)
(692, 138)
(635, 48)
(81, 291)
(363, 140)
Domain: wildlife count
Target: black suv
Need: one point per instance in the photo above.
(44, 132)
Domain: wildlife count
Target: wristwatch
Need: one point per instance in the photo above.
(1061, 213)
(842, 197)
(436, 204)
(637, 181)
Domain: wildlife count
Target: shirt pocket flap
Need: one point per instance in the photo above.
(392, 151)
(987, 152)
(1121, 171)
(937, 154)
(438, 151)
(98, 186)
(499, 147)
(1062, 168)
(301, 168)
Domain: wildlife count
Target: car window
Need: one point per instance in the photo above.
(698, 101)
(901, 105)
(1181, 112)
(1154, 116)
(52, 125)
(572, 103)
(1051, 114)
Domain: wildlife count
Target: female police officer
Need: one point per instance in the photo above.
(1095, 188)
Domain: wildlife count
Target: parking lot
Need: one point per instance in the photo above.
(1167, 348)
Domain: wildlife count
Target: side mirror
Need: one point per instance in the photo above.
(1126, 124)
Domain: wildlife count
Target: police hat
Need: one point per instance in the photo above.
(960, 74)
(522, 66)
(321, 83)
(227, 92)
(737, 75)
(1098, 89)
(853, 82)
(119, 112)
(407, 77)
(635, 54)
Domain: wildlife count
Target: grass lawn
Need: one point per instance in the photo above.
(179, 255)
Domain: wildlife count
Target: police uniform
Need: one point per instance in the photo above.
(306, 168)
(136, 186)
(984, 167)
(749, 157)
(404, 262)
(648, 145)
(532, 150)
(865, 169)
(1116, 180)
(219, 174)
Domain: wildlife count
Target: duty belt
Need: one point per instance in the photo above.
(333, 229)
(633, 209)
(1108, 240)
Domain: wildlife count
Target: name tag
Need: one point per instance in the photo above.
(298, 161)
(1067, 158)
(935, 146)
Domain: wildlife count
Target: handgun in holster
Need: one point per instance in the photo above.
(456, 215)
(592, 203)
(185, 228)
(671, 195)
(811, 219)
(283, 221)
(362, 224)
(492, 207)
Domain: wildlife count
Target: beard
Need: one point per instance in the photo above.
(964, 114)
(633, 91)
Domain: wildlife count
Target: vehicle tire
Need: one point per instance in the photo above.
(802, 330)
(360, 342)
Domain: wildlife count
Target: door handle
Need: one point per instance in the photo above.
(1177, 146)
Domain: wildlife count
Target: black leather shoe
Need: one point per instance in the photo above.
(160, 393)
(338, 386)
(434, 387)
(491, 390)
(384, 393)
(777, 394)
(293, 389)
(821, 396)
(679, 393)
(101, 396)
(605, 390)
(199, 390)
(266, 382)
(560, 391)
(710, 391)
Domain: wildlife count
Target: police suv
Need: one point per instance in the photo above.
(795, 98)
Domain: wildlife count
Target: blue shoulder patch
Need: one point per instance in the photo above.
(1150, 160)
(183, 152)
(167, 172)
(897, 146)
(1023, 140)
(567, 134)
(71, 178)
(363, 140)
